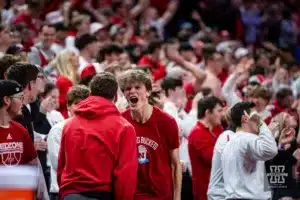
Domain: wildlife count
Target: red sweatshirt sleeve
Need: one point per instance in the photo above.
(125, 174)
(61, 160)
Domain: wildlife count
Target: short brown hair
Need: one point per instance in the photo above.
(261, 92)
(76, 94)
(132, 76)
(6, 61)
(105, 85)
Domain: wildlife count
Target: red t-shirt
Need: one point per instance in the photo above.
(155, 139)
(201, 146)
(16, 147)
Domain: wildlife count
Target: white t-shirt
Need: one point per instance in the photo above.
(243, 163)
(216, 189)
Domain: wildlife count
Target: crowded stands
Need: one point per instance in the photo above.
(152, 100)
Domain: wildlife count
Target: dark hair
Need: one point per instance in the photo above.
(105, 85)
(153, 46)
(48, 88)
(34, 4)
(170, 83)
(84, 40)
(185, 46)
(282, 93)
(5, 62)
(207, 103)
(237, 111)
(23, 73)
(46, 24)
(108, 50)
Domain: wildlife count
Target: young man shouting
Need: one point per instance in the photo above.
(159, 172)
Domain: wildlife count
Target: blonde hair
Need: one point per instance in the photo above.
(62, 63)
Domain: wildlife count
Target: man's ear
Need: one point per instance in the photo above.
(244, 119)
(148, 93)
(207, 112)
(6, 101)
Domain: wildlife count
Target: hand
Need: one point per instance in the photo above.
(286, 136)
(254, 117)
(47, 105)
(274, 128)
(88, 5)
(40, 145)
(296, 154)
(196, 16)
(173, 54)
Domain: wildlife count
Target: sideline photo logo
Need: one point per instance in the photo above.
(277, 176)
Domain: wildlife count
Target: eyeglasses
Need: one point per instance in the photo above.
(41, 76)
(20, 97)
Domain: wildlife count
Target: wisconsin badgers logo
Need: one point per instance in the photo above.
(11, 153)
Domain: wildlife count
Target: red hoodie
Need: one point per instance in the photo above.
(98, 151)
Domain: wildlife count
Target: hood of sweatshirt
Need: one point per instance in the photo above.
(95, 107)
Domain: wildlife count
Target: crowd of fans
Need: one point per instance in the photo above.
(192, 68)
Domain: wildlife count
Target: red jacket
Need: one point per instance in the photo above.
(201, 146)
(98, 151)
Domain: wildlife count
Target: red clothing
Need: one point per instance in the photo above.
(223, 76)
(16, 147)
(201, 146)
(26, 19)
(158, 70)
(63, 84)
(190, 94)
(98, 151)
(277, 109)
(155, 139)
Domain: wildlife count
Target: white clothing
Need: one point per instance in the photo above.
(53, 140)
(82, 64)
(179, 116)
(57, 48)
(229, 91)
(54, 117)
(70, 44)
(243, 164)
(216, 189)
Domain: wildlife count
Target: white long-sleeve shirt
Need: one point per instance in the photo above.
(216, 189)
(243, 164)
(53, 140)
(229, 91)
(171, 109)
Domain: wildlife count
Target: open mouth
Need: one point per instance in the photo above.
(133, 99)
